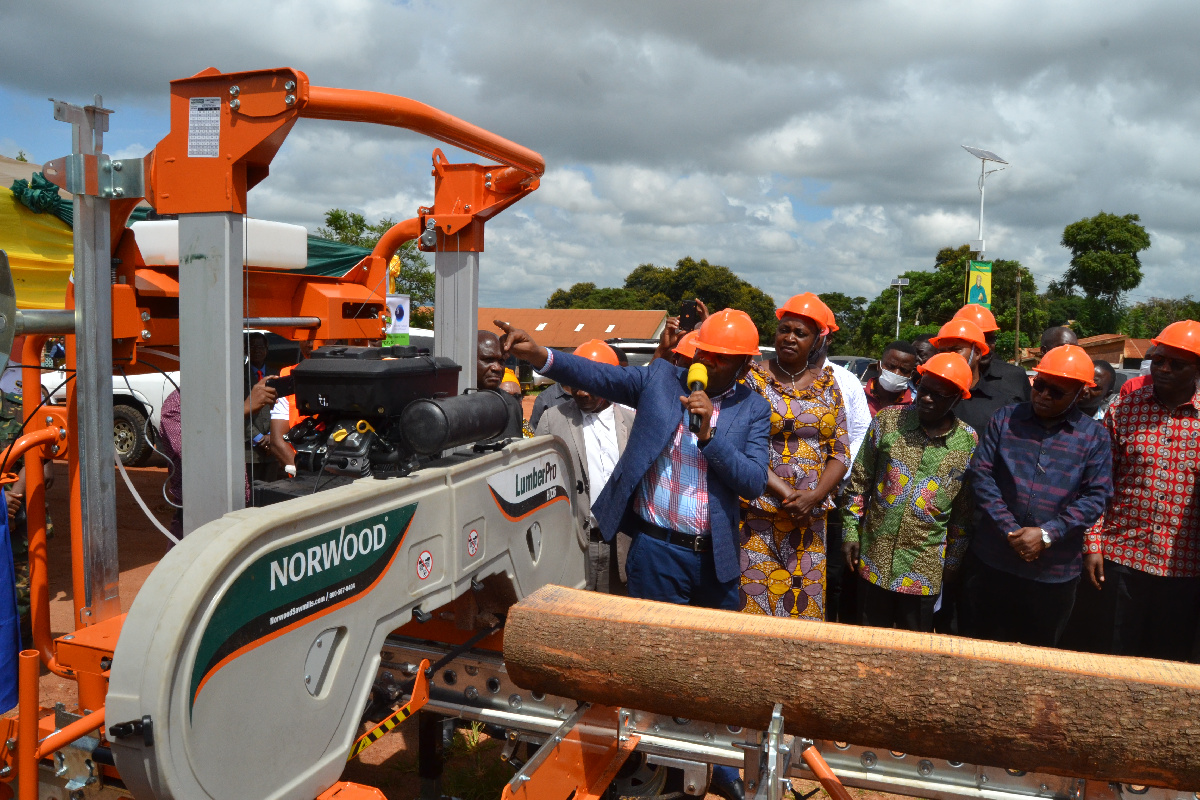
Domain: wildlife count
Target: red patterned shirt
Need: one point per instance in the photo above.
(1152, 522)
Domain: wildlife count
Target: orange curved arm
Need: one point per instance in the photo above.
(395, 236)
(28, 442)
(355, 105)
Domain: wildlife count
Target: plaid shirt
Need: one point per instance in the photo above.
(1152, 523)
(674, 493)
(1026, 475)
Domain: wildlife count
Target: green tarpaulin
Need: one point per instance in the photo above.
(325, 257)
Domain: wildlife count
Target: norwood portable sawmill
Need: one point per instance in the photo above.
(436, 571)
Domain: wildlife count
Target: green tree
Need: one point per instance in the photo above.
(21, 156)
(849, 312)
(1087, 316)
(586, 295)
(933, 296)
(652, 287)
(1104, 256)
(1146, 320)
(415, 277)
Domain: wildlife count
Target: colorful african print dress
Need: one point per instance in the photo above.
(783, 559)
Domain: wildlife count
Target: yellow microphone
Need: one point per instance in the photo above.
(697, 379)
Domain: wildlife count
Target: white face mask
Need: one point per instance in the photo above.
(891, 381)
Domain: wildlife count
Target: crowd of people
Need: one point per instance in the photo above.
(952, 493)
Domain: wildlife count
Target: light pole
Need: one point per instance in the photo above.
(898, 284)
(984, 156)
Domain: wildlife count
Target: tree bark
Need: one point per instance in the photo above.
(1035, 709)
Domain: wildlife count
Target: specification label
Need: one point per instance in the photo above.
(204, 127)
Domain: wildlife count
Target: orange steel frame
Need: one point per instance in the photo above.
(145, 316)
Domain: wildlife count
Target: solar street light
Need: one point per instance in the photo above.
(984, 157)
(898, 284)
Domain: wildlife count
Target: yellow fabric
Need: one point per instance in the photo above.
(40, 253)
(509, 376)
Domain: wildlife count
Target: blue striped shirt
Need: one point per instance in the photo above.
(1025, 475)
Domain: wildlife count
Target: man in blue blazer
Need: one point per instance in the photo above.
(677, 492)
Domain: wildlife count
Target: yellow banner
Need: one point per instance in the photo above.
(979, 283)
(40, 252)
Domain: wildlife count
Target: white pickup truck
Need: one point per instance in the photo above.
(136, 400)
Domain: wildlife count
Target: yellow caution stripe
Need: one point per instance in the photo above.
(420, 696)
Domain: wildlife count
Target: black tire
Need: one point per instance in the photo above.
(129, 435)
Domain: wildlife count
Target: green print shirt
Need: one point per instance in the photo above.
(909, 504)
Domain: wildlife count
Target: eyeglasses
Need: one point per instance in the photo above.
(1042, 387)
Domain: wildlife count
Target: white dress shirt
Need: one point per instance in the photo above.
(600, 441)
(858, 413)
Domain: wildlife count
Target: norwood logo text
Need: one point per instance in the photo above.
(345, 545)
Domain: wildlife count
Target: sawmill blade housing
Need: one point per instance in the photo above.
(252, 648)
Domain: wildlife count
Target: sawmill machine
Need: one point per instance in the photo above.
(273, 644)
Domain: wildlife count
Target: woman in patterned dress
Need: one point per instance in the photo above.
(783, 532)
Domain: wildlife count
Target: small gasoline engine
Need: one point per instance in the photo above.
(383, 411)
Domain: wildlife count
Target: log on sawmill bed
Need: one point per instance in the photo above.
(1035, 709)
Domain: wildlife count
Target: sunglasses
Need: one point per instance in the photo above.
(1042, 387)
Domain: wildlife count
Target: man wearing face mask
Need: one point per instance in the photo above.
(964, 337)
(1041, 475)
(897, 366)
(1000, 383)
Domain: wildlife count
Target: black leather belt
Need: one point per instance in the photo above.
(695, 543)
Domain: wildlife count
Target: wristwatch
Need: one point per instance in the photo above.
(1046, 540)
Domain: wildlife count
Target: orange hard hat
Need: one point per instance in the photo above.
(596, 350)
(978, 314)
(962, 329)
(1184, 335)
(730, 332)
(951, 367)
(1068, 361)
(807, 304)
(687, 345)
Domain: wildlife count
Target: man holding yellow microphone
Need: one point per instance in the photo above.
(699, 442)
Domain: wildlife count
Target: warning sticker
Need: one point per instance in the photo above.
(204, 127)
(472, 542)
(424, 564)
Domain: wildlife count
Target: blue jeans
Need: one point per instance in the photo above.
(671, 573)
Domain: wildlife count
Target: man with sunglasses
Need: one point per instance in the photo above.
(1041, 476)
(908, 509)
(1144, 555)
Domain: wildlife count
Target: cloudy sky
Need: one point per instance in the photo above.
(807, 145)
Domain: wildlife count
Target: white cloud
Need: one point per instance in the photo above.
(806, 145)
